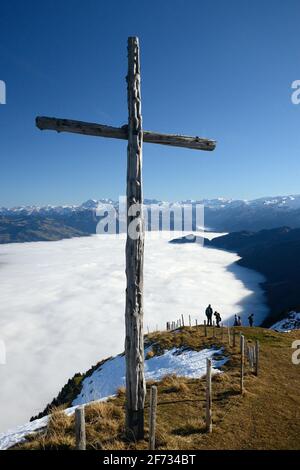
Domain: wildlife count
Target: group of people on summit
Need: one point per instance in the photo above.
(237, 319)
(209, 315)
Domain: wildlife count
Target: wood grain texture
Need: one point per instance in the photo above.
(134, 341)
(80, 437)
(228, 333)
(152, 417)
(100, 130)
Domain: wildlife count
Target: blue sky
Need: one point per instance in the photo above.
(212, 68)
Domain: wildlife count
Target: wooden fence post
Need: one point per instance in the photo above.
(242, 363)
(222, 332)
(256, 357)
(250, 357)
(196, 322)
(214, 329)
(228, 331)
(152, 417)
(233, 337)
(190, 322)
(80, 428)
(208, 397)
(205, 329)
(182, 318)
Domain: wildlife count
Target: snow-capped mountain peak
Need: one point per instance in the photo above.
(278, 203)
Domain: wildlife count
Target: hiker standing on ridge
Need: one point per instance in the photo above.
(239, 321)
(251, 319)
(209, 314)
(236, 321)
(218, 318)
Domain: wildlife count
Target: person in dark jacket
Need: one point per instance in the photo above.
(209, 314)
(218, 319)
(239, 320)
(251, 319)
(236, 321)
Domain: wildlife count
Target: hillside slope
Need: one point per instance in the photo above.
(274, 253)
(266, 416)
(19, 229)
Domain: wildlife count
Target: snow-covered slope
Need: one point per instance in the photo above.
(291, 322)
(105, 381)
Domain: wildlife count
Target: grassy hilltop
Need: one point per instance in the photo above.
(266, 416)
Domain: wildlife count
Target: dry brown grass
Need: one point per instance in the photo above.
(267, 416)
(174, 384)
(58, 434)
(150, 354)
(104, 429)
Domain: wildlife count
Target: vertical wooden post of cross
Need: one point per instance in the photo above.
(134, 342)
(133, 132)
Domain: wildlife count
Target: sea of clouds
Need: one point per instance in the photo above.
(62, 306)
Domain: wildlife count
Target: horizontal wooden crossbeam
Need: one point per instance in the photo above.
(99, 130)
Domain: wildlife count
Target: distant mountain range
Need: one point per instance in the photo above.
(280, 204)
(264, 232)
(32, 223)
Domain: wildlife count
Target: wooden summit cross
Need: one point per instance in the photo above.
(133, 132)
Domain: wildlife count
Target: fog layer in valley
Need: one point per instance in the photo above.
(62, 306)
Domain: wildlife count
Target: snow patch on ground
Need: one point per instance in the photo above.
(292, 322)
(110, 376)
